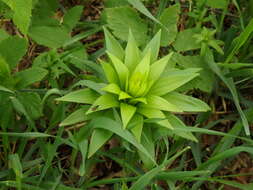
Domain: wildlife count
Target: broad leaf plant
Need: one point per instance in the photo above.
(139, 86)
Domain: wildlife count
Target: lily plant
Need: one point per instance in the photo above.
(139, 86)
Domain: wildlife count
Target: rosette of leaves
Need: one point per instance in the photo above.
(139, 86)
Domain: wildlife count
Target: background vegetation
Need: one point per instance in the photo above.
(49, 48)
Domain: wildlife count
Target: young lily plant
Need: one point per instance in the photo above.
(140, 87)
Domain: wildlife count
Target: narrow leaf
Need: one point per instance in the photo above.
(113, 46)
(127, 111)
(186, 103)
(85, 96)
(98, 139)
(121, 70)
(155, 114)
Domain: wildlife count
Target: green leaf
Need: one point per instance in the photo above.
(136, 100)
(206, 79)
(116, 128)
(20, 108)
(121, 19)
(121, 70)
(72, 17)
(113, 46)
(155, 114)
(75, 117)
(158, 67)
(4, 69)
(3, 35)
(148, 142)
(85, 96)
(98, 138)
(154, 46)
(137, 122)
(50, 36)
(105, 101)
(30, 76)
(32, 104)
(22, 14)
(186, 103)
(140, 7)
(112, 88)
(185, 40)
(91, 85)
(169, 19)
(127, 112)
(177, 123)
(123, 95)
(12, 49)
(173, 80)
(110, 73)
(138, 82)
(83, 147)
(159, 103)
(4, 89)
(132, 53)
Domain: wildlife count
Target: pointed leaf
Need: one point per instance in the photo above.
(155, 114)
(110, 73)
(138, 82)
(13, 45)
(140, 7)
(75, 117)
(158, 67)
(121, 70)
(159, 103)
(186, 103)
(72, 16)
(132, 53)
(105, 101)
(30, 76)
(172, 81)
(98, 138)
(136, 100)
(169, 18)
(85, 96)
(5, 71)
(112, 45)
(22, 14)
(124, 95)
(4, 89)
(91, 85)
(113, 126)
(112, 88)
(137, 122)
(154, 45)
(127, 112)
(177, 123)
